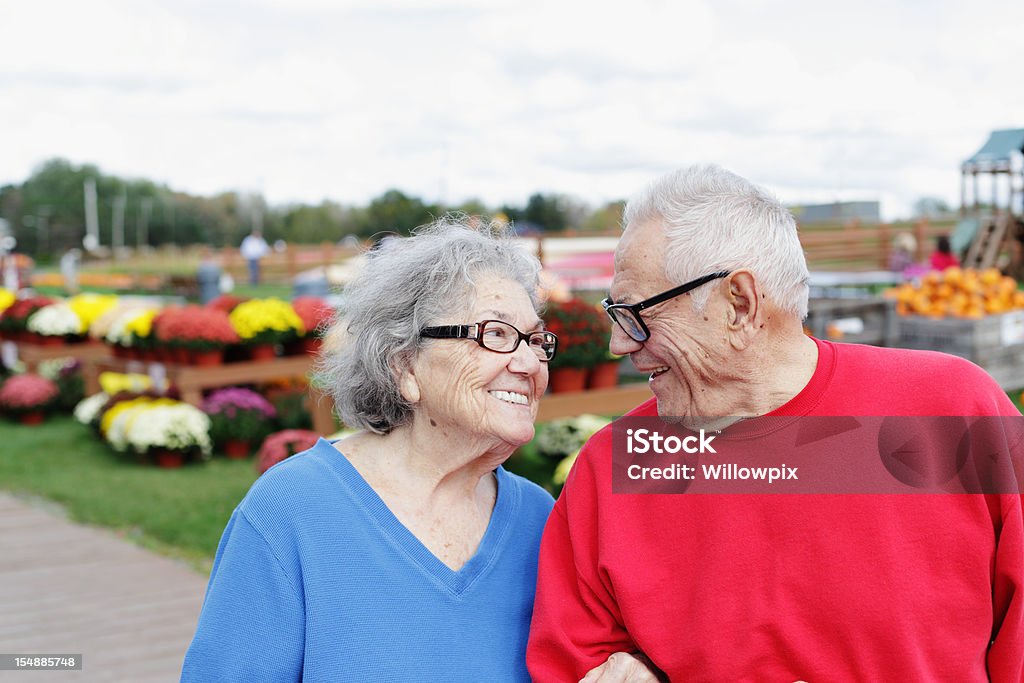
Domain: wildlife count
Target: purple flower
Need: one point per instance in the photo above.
(231, 401)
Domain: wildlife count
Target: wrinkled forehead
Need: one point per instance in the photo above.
(642, 248)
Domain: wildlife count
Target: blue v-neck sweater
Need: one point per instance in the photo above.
(316, 580)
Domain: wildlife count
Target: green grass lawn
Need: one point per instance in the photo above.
(180, 513)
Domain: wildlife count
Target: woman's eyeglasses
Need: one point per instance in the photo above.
(498, 336)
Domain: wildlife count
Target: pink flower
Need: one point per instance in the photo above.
(284, 444)
(27, 392)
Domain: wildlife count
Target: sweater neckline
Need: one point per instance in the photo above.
(454, 581)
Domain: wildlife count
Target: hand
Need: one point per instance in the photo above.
(623, 667)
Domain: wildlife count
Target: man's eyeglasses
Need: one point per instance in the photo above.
(498, 336)
(627, 316)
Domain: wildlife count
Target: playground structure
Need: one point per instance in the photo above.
(991, 234)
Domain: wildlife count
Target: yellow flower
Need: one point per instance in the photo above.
(142, 324)
(6, 298)
(117, 409)
(252, 317)
(88, 307)
(114, 382)
(563, 468)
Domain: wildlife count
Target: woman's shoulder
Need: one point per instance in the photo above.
(293, 480)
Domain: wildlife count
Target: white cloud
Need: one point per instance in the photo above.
(472, 98)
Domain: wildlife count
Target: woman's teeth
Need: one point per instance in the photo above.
(511, 397)
(659, 371)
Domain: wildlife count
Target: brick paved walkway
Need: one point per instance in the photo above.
(67, 588)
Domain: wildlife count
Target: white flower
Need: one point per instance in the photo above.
(51, 368)
(178, 426)
(562, 437)
(55, 320)
(117, 433)
(117, 332)
(88, 408)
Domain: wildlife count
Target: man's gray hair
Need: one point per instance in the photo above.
(408, 284)
(716, 220)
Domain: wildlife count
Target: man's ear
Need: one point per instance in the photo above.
(407, 384)
(744, 300)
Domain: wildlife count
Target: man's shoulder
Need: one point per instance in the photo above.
(916, 381)
(921, 365)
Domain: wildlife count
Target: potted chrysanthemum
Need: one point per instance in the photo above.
(160, 430)
(56, 324)
(28, 397)
(202, 332)
(90, 409)
(14, 319)
(171, 434)
(90, 307)
(583, 334)
(265, 323)
(315, 314)
(7, 298)
(282, 445)
(239, 418)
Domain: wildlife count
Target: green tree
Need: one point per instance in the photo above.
(607, 218)
(394, 211)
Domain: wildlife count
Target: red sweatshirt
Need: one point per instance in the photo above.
(793, 587)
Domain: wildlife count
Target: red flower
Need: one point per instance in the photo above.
(225, 302)
(207, 326)
(281, 445)
(314, 312)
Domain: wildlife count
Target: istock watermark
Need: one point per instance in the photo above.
(819, 455)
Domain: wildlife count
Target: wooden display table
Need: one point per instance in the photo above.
(33, 354)
(191, 380)
(616, 401)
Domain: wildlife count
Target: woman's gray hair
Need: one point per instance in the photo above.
(716, 220)
(407, 284)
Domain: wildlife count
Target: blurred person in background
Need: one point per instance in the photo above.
(253, 249)
(943, 256)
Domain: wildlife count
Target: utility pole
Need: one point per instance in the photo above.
(92, 221)
(145, 207)
(43, 226)
(117, 223)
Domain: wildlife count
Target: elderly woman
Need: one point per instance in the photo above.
(405, 552)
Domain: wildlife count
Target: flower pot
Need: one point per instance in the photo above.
(304, 346)
(32, 417)
(49, 340)
(564, 380)
(237, 449)
(603, 375)
(180, 356)
(262, 352)
(169, 459)
(207, 358)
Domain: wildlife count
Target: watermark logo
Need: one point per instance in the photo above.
(821, 455)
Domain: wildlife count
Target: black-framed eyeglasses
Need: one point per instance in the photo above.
(627, 316)
(498, 336)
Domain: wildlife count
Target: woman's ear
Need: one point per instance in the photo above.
(408, 386)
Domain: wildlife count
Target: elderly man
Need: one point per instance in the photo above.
(708, 296)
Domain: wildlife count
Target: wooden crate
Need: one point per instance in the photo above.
(859, 321)
(995, 342)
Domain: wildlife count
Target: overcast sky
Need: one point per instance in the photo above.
(303, 100)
